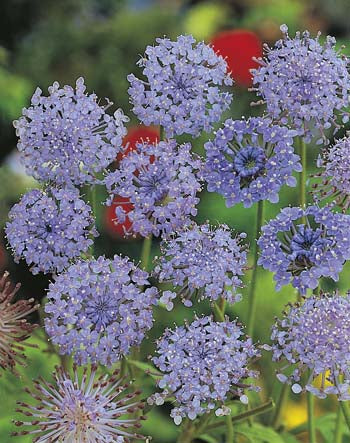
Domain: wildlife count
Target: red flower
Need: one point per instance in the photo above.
(114, 227)
(138, 134)
(238, 48)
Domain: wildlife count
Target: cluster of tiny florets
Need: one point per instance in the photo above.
(249, 160)
(302, 251)
(204, 364)
(182, 92)
(49, 228)
(68, 137)
(333, 182)
(160, 182)
(315, 338)
(97, 309)
(202, 262)
(79, 409)
(14, 328)
(304, 82)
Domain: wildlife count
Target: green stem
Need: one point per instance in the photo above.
(229, 430)
(265, 407)
(146, 252)
(187, 434)
(252, 292)
(345, 408)
(311, 417)
(91, 192)
(302, 181)
(280, 406)
(338, 431)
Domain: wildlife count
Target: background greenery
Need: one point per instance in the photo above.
(41, 42)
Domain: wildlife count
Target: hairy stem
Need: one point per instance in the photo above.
(252, 291)
(311, 418)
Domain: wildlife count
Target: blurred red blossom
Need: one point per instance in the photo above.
(238, 47)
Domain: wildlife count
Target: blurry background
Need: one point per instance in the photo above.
(41, 42)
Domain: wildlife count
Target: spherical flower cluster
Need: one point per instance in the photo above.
(81, 409)
(183, 88)
(67, 137)
(304, 82)
(315, 338)
(301, 252)
(98, 309)
(160, 182)
(48, 229)
(333, 182)
(202, 262)
(204, 363)
(14, 328)
(249, 160)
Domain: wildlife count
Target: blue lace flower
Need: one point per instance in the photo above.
(204, 363)
(182, 91)
(304, 82)
(160, 182)
(202, 262)
(333, 182)
(314, 338)
(301, 252)
(97, 309)
(81, 408)
(67, 137)
(50, 228)
(249, 160)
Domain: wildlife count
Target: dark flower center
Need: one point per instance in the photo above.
(249, 161)
(101, 311)
(153, 183)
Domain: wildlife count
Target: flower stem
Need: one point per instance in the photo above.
(252, 292)
(280, 406)
(345, 408)
(302, 180)
(265, 407)
(187, 434)
(91, 192)
(229, 430)
(146, 252)
(311, 418)
(338, 431)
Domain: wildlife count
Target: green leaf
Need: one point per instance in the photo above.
(259, 433)
(289, 438)
(146, 367)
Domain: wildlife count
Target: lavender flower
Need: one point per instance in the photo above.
(249, 160)
(182, 92)
(314, 337)
(203, 262)
(302, 253)
(204, 364)
(160, 182)
(81, 409)
(67, 137)
(48, 229)
(97, 309)
(304, 83)
(333, 182)
(14, 328)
